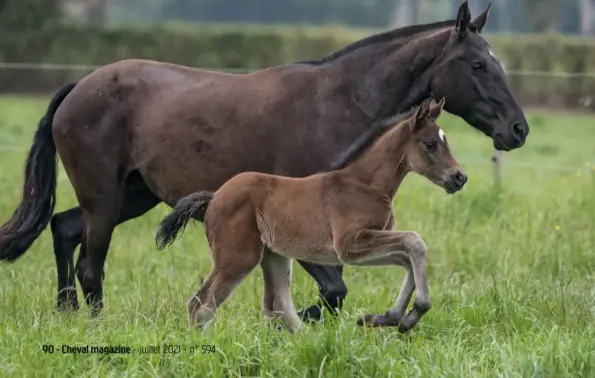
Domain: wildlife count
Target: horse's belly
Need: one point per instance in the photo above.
(174, 173)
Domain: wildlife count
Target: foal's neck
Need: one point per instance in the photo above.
(383, 166)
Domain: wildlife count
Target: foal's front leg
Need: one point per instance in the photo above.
(372, 247)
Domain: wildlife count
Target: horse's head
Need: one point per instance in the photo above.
(470, 76)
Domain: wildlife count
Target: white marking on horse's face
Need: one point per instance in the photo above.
(493, 55)
(491, 52)
(442, 135)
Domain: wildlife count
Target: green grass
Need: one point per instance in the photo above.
(510, 271)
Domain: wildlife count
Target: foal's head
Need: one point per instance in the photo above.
(427, 152)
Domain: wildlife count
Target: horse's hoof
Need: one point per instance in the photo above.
(67, 301)
(67, 306)
(371, 320)
(311, 315)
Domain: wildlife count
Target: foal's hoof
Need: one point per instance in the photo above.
(371, 320)
(405, 325)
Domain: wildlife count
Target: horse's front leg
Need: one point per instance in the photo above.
(332, 290)
(372, 247)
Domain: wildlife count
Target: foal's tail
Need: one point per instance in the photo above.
(192, 206)
(39, 190)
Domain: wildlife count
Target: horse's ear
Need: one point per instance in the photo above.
(482, 19)
(436, 109)
(421, 114)
(463, 20)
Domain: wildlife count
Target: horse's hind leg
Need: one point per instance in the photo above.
(100, 219)
(234, 257)
(277, 302)
(67, 232)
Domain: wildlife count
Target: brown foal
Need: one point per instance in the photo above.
(342, 216)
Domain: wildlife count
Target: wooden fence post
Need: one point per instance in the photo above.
(497, 160)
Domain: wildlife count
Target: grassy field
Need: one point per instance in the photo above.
(511, 275)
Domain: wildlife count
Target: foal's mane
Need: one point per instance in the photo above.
(365, 140)
(404, 32)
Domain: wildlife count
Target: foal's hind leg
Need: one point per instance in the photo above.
(277, 302)
(233, 260)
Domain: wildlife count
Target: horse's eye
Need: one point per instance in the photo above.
(431, 145)
(478, 65)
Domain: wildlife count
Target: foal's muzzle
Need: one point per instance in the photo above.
(455, 181)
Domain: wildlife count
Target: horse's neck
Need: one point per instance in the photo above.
(394, 76)
(382, 167)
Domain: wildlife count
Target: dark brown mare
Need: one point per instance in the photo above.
(342, 216)
(136, 133)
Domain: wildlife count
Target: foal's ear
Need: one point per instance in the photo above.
(436, 109)
(421, 114)
(463, 20)
(482, 19)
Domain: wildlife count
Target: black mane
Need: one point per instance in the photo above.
(403, 32)
(368, 138)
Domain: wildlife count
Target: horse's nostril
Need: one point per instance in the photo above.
(518, 131)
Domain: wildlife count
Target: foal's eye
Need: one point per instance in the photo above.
(478, 65)
(431, 145)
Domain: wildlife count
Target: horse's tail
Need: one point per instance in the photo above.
(192, 206)
(39, 190)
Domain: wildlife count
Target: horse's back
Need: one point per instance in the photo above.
(185, 129)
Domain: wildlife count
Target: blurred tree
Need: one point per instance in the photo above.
(88, 10)
(96, 10)
(353, 12)
(22, 15)
(542, 14)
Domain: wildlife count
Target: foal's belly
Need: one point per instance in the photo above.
(324, 256)
(298, 233)
(300, 244)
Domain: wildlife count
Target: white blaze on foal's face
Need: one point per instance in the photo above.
(442, 135)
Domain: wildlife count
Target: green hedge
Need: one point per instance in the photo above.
(251, 47)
